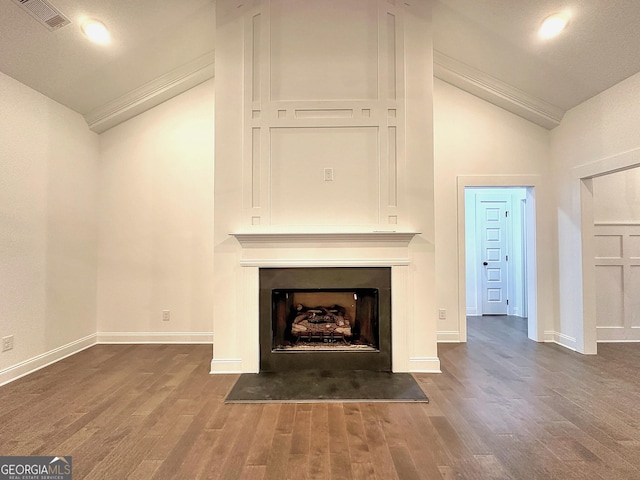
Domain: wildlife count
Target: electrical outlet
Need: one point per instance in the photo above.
(166, 315)
(7, 343)
(442, 314)
(328, 174)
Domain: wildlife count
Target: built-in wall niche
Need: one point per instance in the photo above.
(321, 94)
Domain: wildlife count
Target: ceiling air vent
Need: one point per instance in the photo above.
(45, 13)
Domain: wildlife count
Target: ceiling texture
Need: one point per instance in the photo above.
(161, 48)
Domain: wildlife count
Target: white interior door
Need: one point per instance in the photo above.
(492, 226)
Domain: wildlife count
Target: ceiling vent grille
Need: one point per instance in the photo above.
(45, 13)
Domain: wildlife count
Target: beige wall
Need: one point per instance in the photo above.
(48, 160)
(616, 197)
(156, 223)
(473, 138)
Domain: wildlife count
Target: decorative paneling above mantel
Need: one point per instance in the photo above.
(328, 102)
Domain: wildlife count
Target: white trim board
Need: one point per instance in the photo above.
(424, 365)
(222, 366)
(151, 94)
(448, 336)
(494, 91)
(38, 362)
(604, 166)
(21, 369)
(561, 339)
(584, 174)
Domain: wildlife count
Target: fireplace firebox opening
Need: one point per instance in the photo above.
(338, 319)
(325, 318)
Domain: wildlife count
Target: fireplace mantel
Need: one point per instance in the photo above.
(249, 239)
(317, 249)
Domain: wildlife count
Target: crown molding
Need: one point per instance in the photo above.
(151, 94)
(445, 68)
(496, 92)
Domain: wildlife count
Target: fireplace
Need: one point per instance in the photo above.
(277, 137)
(325, 318)
(260, 261)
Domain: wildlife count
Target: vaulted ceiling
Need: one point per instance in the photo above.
(159, 48)
(162, 47)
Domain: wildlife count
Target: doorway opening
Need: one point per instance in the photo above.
(497, 238)
(495, 243)
(616, 237)
(586, 335)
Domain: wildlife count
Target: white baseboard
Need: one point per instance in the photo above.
(424, 365)
(226, 365)
(561, 339)
(154, 337)
(448, 337)
(31, 365)
(617, 334)
(619, 341)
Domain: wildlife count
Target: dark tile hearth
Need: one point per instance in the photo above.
(326, 386)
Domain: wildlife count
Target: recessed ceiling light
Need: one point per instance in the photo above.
(553, 25)
(96, 31)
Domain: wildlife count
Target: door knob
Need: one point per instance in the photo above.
(485, 263)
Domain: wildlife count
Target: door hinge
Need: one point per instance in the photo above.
(507, 301)
(507, 258)
(506, 213)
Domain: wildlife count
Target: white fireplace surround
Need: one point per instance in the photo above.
(306, 89)
(326, 249)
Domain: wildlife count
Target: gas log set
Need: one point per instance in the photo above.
(307, 319)
(326, 324)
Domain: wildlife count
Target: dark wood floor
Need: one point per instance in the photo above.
(504, 407)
